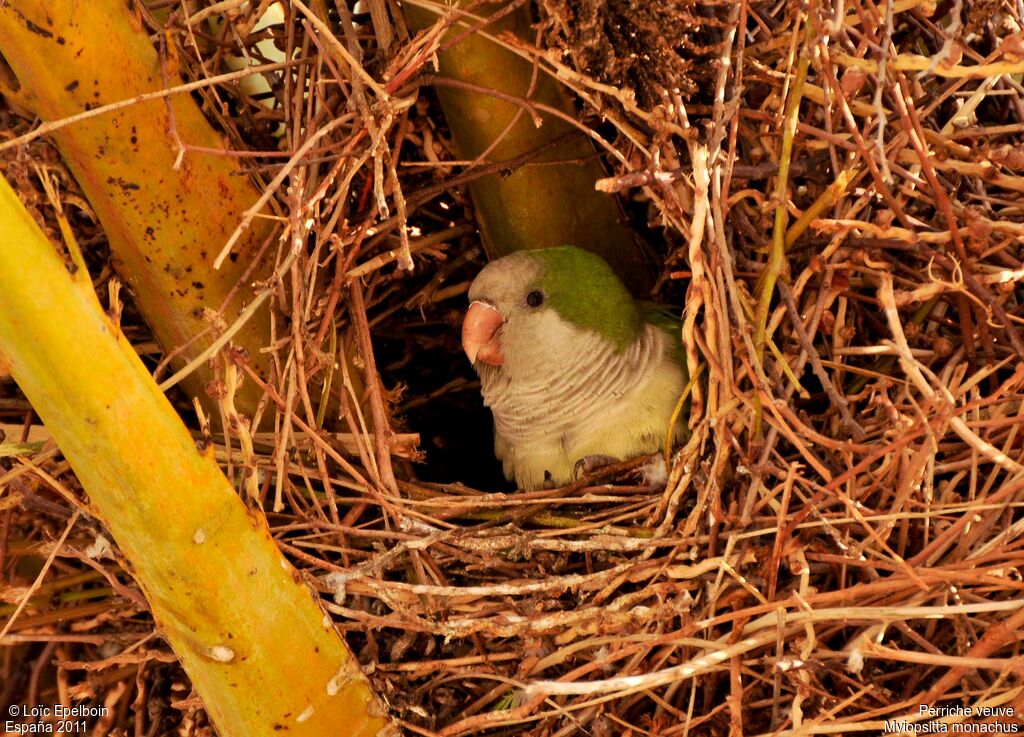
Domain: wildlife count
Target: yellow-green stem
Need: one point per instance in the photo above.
(776, 265)
(259, 649)
(532, 206)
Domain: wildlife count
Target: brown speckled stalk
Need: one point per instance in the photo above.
(165, 226)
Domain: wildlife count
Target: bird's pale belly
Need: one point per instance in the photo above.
(554, 462)
(595, 401)
(623, 428)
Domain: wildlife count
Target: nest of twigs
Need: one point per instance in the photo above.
(834, 193)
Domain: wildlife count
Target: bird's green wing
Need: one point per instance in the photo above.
(667, 318)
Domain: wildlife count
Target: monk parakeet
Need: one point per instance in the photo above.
(570, 364)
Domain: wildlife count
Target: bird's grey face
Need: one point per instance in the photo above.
(507, 305)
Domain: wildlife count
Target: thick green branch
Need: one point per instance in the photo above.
(494, 105)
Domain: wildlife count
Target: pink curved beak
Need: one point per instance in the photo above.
(479, 339)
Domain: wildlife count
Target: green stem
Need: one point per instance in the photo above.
(499, 106)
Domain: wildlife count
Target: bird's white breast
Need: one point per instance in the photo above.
(569, 394)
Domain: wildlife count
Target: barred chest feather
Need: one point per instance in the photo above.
(569, 394)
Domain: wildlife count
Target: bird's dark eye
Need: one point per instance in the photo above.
(535, 298)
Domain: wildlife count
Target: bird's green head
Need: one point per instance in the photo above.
(513, 299)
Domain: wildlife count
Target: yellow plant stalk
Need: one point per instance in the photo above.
(166, 210)
(259, 650)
